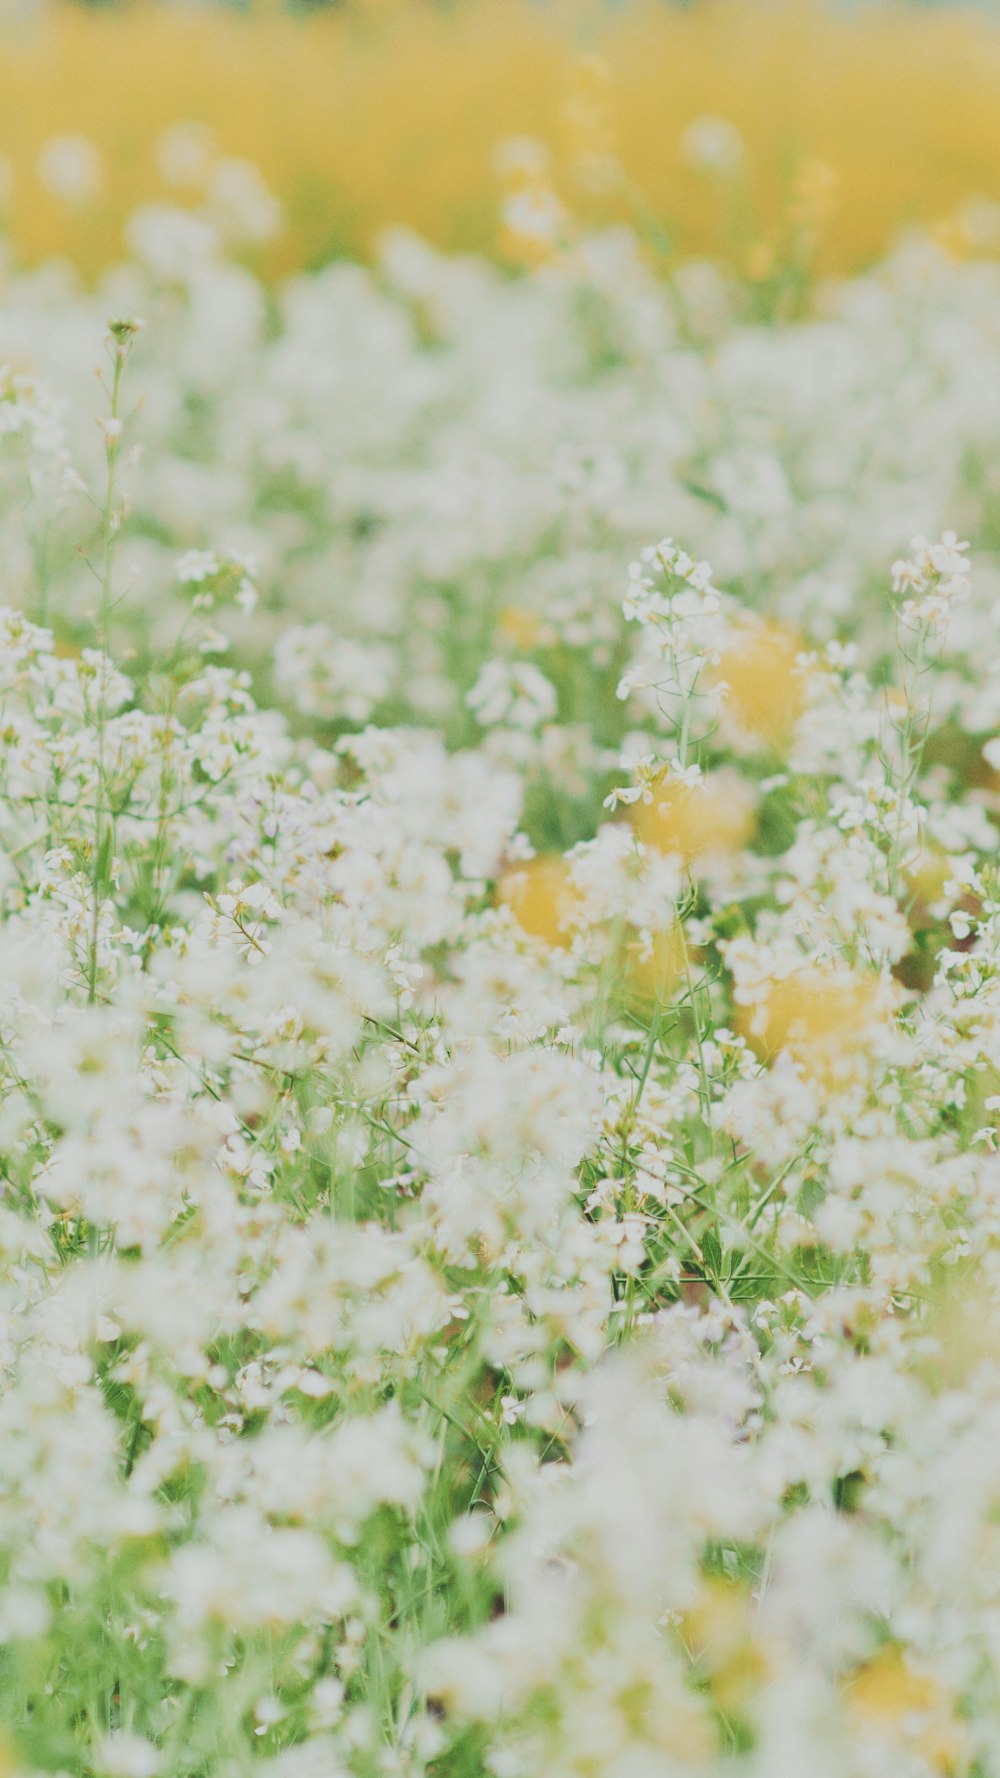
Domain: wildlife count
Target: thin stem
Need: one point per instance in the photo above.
(122, 334)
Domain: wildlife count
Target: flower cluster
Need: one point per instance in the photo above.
(499, 1050)
(788, 131)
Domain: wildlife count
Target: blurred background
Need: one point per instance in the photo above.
(805, 133)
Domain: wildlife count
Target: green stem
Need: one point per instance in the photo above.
(122, 334)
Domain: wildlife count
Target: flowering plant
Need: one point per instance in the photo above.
(499, 1050)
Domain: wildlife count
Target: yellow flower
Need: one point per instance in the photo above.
(653, 967)
(824, 1019)
(386, 113)
(765, 687)
(519, 627)
(926, 877)
(718, 1633)
(889, 1697)
(711, 816)
(815, 193)
(760, 261)
(541, 898)
(547, 905)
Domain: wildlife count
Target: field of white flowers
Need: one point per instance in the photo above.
(499, 1019)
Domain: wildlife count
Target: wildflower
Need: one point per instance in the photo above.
(480, 1269)
(70, 168)
(710, 815)
(713, 145)
(184, 153)
(515, 693)
(541, 896)
(762, 686)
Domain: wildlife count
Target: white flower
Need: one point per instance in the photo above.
(184, 153)
(70, 168)
(122, 1755)
(713, 145)
(514, 693)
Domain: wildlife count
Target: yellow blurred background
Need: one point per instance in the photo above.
(382, 113)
